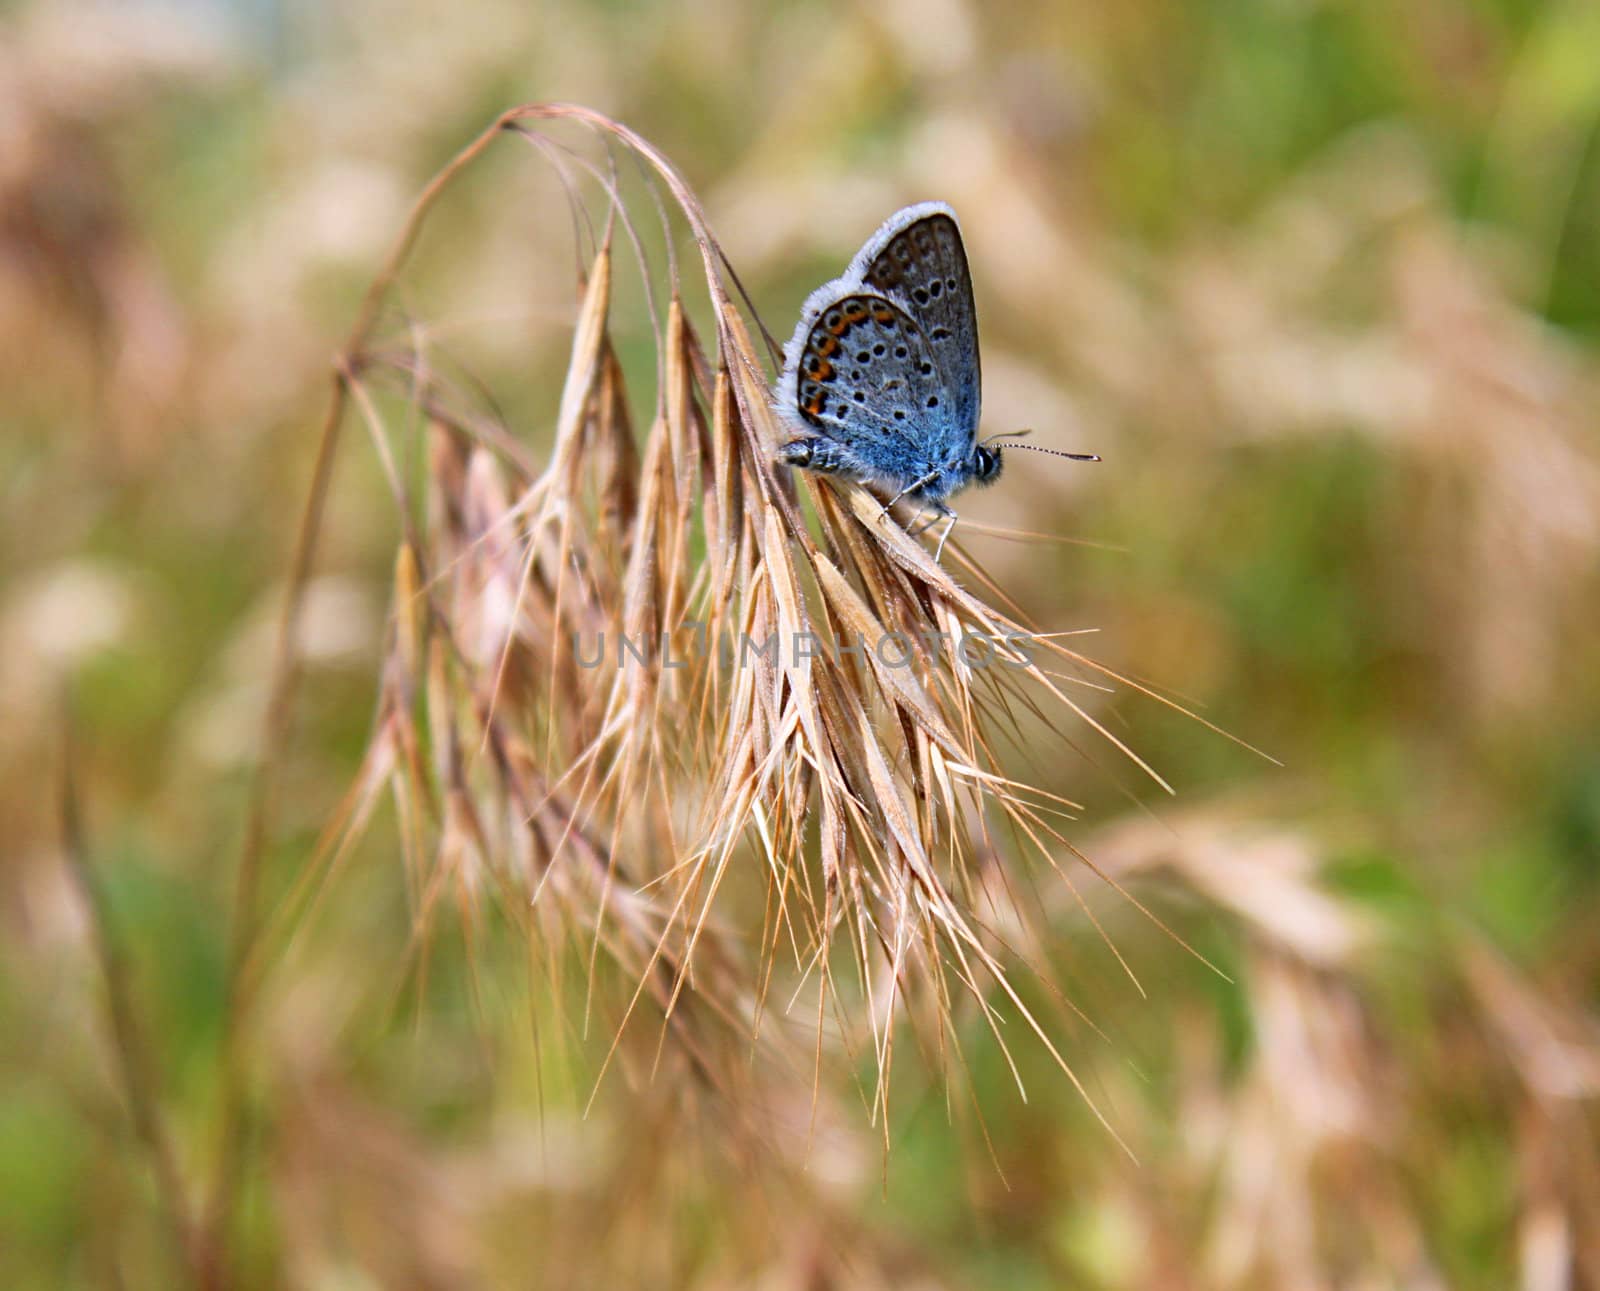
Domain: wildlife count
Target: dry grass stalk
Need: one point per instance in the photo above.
(627, 799)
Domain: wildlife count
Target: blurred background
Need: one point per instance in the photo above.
(1319, 280)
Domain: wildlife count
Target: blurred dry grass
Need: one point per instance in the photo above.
(1320, 282)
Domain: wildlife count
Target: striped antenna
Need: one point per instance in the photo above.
(1054, 452)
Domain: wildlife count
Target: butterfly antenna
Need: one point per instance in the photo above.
(1054, 452)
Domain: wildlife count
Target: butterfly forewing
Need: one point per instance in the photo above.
(923, 267)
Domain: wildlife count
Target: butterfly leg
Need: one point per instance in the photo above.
(910, 488)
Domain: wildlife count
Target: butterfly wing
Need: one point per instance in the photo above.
(865, 376)
(917, 260)
(913, 295)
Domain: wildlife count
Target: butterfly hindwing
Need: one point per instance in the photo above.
(867, 377)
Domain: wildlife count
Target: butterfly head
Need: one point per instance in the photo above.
(985, 464)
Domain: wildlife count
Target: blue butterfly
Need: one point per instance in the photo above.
(881, 378)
